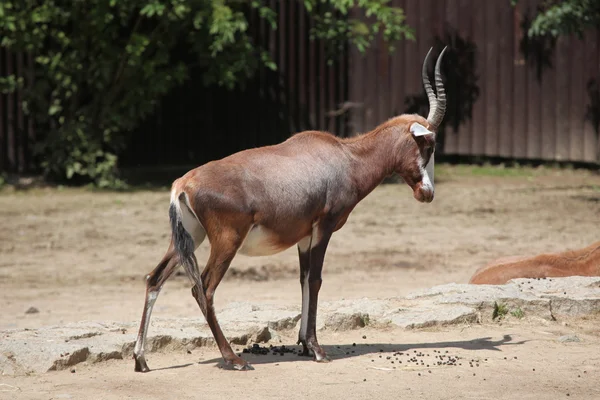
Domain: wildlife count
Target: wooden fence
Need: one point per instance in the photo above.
(508, 96)
(17, 134)
(195, 124)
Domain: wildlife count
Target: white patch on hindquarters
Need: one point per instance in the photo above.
(189, 219)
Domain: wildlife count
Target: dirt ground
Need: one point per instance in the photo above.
(74, 255)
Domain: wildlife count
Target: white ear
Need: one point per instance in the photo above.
(419, 130)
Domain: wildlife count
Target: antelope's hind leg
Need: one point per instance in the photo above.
(223, 250)
(154, 282)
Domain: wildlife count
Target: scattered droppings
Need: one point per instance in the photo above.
(364, 336)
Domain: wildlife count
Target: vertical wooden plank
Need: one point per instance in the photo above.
(577, 83)
(3, 146)
(301, 75)
(21, 133)
(424, 42)
(31, 124)
(412, 70)
(465, 31)
(490, 77)
(331, 95)
(479, 108)
(321, 85)
(521, 105)
(451, 13)
(10, 118)
(312, 77)
(592, 71)
(342, 91)
(548, 98)
(382, 80)
(504, 121)
(562, 110)
(356, 90)
(397, 77)
(285, 83)
(370, 78)
(533, 98)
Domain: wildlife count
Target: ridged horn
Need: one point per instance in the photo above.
(437, 105)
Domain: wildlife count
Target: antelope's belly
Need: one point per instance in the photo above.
(260, 241)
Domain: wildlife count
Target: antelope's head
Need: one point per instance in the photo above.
(419, 147)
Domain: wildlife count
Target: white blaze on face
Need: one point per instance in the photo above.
(426, 172)
(429, 169)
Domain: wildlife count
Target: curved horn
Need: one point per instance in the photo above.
(436, 114)
(428, 88)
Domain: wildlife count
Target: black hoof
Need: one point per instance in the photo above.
(140, 365)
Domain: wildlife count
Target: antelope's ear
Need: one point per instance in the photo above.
(419, 130)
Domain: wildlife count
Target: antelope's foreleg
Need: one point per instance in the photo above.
(304, 256)
(154, 282)
(317, 256)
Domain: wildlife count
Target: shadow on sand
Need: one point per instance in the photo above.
(338, 352)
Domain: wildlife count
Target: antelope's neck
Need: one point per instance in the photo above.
(373, 160)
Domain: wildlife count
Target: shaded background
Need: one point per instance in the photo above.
(510, 96)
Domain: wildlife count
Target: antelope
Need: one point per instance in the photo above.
(264, 200)
(580, 262)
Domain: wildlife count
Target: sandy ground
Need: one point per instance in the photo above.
(78, 255)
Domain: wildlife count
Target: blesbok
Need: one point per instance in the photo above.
(580, 262)
(262, 201)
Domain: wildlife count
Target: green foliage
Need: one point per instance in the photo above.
(517, 313)
(565, 17)
(500, 310)
(102, 65)
(335, 23)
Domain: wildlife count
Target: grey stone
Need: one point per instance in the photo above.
(61, 347)
(569, 338)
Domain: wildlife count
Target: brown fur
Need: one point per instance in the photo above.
(581, 262)
(303, 188)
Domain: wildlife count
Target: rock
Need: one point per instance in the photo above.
(32, 310)
(569, 338)
(23, 351)
(346, 322)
